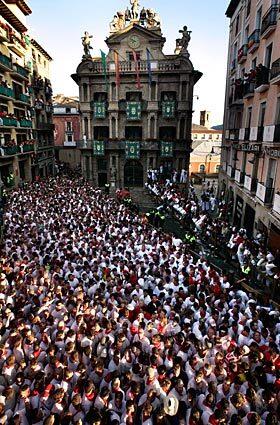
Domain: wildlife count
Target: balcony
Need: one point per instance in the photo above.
(262, 79)
(276, 203)
(5, 63)
(242, 53)
(25, 123)
(18, 46)
(269, 21)
(9, 150)
(254, 41)
(143, 66)
(8, 122)
(24, 98)
(249, 90)
(265, 194)
(275, 73)
(7, 92)
(234, 134)
(20, 71)
(27, 148)
(233, 66)
(250, 184)
(230, 172)
(70, 144)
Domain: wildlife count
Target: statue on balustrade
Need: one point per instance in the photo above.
(118, 22)
(182, 43)
(153, 19)
(86, 40)
(134, 9)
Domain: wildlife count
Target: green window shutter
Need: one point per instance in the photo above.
(168, 109)
(99, 110)
(98, 148)
(132, 150)
(133, 111)
(166, 149)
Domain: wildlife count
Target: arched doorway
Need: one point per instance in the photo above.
(133, 174)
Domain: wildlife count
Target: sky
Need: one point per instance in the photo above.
(58, 26)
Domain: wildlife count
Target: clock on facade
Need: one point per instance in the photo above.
(134, 42)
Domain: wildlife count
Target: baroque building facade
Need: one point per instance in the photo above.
(135, 102)
(250, 175)
(26, 129)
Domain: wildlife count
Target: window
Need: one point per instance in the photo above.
(133, 96)
(246, 35)
(67, 110)
(259, 19)
(39, 58)
(202, 168)
(33, 54)
(69, 137)
(271, 173)
(45, 64)
(249, 117)
(262, 114)
(237, 25)
(268, 55)
(254, 63)
(218, 167)
(69, 126)
(130, 56)
(248, 9)
(195, 136)
(210, 136)
(203, 137)
(218, 137)
(277, 116)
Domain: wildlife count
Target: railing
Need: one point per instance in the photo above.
(5, 91)
(25, 123)
(270, 18)
(234, 134)
(24, 98)
(242, 52)
(22, 71)
(28, 148)
(249, 89)
(262, 77)
(9, 122)
(254, 38)
(130, 66)
(265, 194)
(5, 61)
(275, 69)
(9, 150)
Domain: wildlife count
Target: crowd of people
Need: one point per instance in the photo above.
(107, 320)
(250, 80)
(208, 218)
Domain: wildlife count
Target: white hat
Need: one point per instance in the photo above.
(269, 257)
(171, 405)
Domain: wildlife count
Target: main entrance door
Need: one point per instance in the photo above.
(133, 174)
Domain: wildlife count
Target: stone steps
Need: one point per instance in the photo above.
(142, 198)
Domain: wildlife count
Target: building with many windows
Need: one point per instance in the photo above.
(66, 119)
(26, 129)
(136, 102)
(205, 159)
(251, 147)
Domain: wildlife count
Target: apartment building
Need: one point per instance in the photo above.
(250, 174)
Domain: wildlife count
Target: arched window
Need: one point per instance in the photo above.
(202, 168)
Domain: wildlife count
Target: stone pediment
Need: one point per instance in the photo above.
(149, 34)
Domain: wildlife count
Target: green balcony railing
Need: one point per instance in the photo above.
(22, 71)
(10, 150)
(26, 123)
(5, 61)
(28, 148)
(5, 91)
(9, 122)
(24, 98)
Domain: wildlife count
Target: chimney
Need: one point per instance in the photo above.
(205, 118)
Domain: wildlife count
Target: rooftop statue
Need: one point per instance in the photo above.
(86, 44)
(153, 19)
(182, 43)
(118, 22)
(134, 9)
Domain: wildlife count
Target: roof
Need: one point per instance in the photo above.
(21, 5)
(201, 129)
(232, 8)
(10, 17)
(40, 48)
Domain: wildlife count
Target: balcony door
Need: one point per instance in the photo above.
(271, 173)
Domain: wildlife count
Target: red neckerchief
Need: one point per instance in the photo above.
(90, 396)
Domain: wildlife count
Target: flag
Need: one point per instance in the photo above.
(117, 66)
(132, 150)
(138, 82)
(104, 66)
(166, 150)
(149, 66)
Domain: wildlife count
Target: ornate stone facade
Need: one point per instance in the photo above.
(136, 102)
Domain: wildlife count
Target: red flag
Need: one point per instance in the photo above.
(117, 66)
(138, 82)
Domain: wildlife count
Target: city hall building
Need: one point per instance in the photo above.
(136, 102)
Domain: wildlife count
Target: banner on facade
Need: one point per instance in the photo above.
(166, 149)
(98, 148)
(99, 110)
(133, 111)
(132, 150)
(168, 109)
